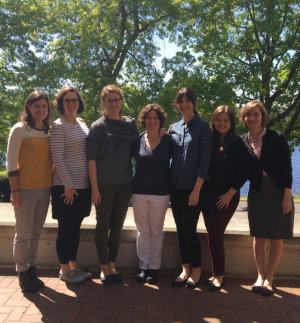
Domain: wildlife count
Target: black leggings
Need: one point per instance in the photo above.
(186, 218)
(67, 239)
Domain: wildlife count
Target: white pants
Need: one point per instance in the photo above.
(30, 218)
(149, 215)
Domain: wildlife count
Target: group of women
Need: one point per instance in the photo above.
(209, 165)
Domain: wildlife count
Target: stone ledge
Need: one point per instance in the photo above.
(238, 249)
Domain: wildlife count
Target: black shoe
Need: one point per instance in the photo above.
(26, 282)
(266, 291)
(38, 283)
(191, 284)
(178, 283)
(213, 287)
(117, 278)
(141, 276)
(106, 280)
(256, 288)
(152, 276)
(207, 281)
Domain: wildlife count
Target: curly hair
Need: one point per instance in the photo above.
(162, 116)
(248, 107)
(58, 101)
(109, 89)
(26, 116)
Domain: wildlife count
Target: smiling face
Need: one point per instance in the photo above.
(152, 122)
(70, 104)
(112, 103)
(253, 119)
(222, 123)
(38, 110)
(186, 107)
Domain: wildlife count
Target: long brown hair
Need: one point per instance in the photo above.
(26, 116)
(109, 89)
(230, 136)
(190, 94)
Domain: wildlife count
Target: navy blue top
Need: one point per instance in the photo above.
(191, 152)
(152, 167)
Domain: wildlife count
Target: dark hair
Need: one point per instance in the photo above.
(191, 95)
(248, 107)
(153, 107)
(26, 116)
(230, 136)
(109, 89)
(58, 101)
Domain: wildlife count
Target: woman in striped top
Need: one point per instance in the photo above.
(71, 194)
(29, 167)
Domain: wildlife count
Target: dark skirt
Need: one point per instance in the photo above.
(265, 213)
(81, 206)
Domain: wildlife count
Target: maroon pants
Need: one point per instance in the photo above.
(216, 221)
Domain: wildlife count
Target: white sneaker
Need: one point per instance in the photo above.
(82, 273)
(71, 277)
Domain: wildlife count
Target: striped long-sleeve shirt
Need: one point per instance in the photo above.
(68, 148)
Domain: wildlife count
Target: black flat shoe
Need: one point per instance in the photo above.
(141, 276)
(106, 280)
(213, 287)
(256, 289)
(207, 281)
(117, 278)
(152, 276)
(178, 284)
(191, 284)
(266, 291)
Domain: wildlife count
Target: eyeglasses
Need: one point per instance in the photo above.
(68, 101)
(112, 101)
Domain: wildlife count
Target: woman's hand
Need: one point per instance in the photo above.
(225, 199)
(96, 197)
(69, 195)
(286, 204)
(161, 132)
(194, 198)
(15, 199)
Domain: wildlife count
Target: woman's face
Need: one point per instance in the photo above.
(70, 104)
(152, 121)
(185, 106)
(222, 123)
(38, 110)
(112, 103)
(253, 118)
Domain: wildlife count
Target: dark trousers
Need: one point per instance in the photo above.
(186, 219)
(216, 221)
(111, 213)
(67, 239)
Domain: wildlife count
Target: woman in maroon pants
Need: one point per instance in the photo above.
(228, 172)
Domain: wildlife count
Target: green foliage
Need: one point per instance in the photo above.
(3, 174)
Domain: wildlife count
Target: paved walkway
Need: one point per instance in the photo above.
(93, 302)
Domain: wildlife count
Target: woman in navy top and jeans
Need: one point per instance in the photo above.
(191, 141)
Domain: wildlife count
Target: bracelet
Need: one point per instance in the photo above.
(15, 191)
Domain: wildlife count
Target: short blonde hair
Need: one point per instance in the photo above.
(248, 107)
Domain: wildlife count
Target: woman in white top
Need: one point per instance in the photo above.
(71, 194)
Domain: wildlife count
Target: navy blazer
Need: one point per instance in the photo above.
(275, 160)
